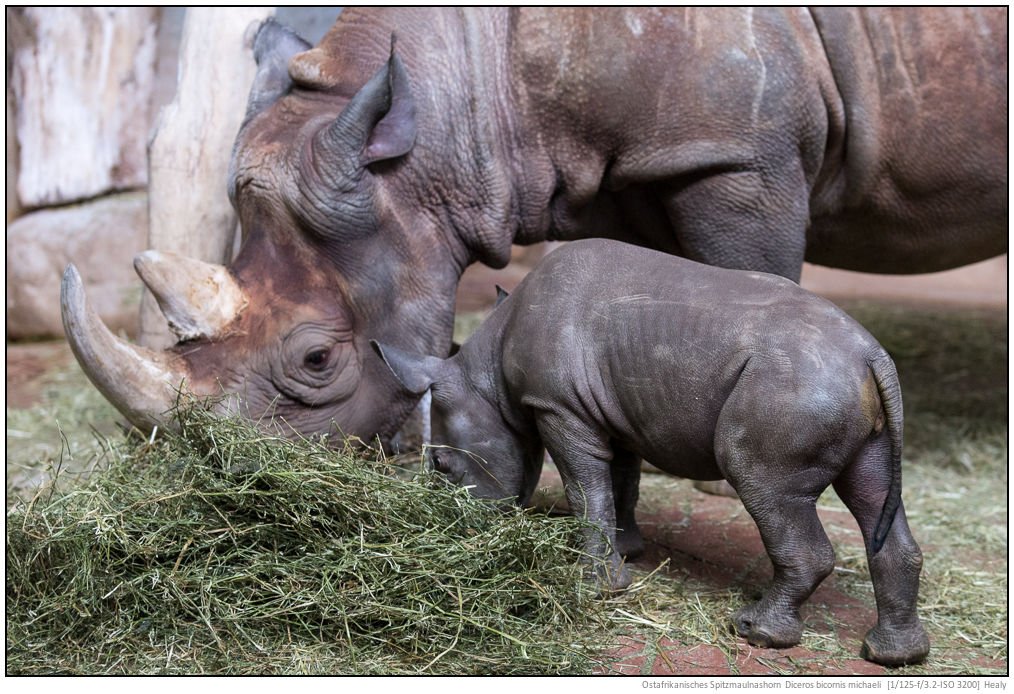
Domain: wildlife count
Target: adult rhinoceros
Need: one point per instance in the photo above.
(369, 173)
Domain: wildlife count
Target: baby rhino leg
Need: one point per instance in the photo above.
(898, 637)
(776, 453)
(801, 555)
(583, 459)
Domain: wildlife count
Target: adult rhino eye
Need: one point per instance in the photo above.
(316, 363)
(317, 358)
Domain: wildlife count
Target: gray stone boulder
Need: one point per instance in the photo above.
(101, 238)
(82, 80)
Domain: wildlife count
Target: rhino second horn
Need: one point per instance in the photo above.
(198, 299)
(140, 383)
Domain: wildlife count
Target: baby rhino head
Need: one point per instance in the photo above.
(472, 445)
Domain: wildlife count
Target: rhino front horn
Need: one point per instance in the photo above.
(198, 299)
(140, 383)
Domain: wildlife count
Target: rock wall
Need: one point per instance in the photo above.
(82, 81)
(101, 237)
(14, 209)
(78, 113)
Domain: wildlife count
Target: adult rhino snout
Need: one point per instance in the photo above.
(140, 383)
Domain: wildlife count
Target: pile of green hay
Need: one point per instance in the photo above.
(225, 550)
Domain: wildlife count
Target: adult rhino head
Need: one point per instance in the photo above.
(327, 261)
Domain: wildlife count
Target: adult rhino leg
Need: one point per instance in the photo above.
(744, 220)
(626, 477)
(898, 637)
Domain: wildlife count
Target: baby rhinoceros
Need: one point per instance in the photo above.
(608, 352)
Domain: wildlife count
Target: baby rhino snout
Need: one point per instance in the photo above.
(468, 470)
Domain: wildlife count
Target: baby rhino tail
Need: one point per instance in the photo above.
(886, 377)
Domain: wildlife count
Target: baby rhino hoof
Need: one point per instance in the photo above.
(895, 646)
(761, 631)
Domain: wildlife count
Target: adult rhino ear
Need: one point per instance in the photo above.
(377, 124)
(417, 372)
(274, 46)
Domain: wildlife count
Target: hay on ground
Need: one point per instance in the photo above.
(226, 550)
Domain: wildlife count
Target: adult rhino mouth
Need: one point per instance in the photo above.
(198, 299)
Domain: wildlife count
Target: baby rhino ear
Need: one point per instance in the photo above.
(416, 372)
(501, 295)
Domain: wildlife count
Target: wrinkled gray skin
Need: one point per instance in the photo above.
(871, 139)
(607, 352)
